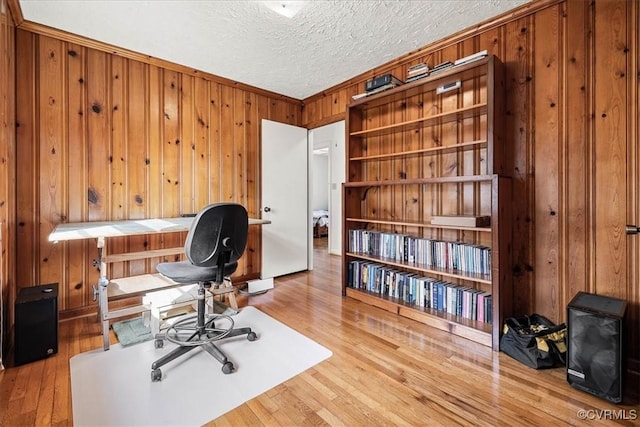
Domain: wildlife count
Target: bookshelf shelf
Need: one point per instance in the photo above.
(414, 154)
(417, 224)
(436, 119)
(433, 271)
(461, 146)
(408, 181)
(476, 331)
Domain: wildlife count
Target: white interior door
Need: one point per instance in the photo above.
(284, 199)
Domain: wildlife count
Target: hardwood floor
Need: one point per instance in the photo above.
(385, 370)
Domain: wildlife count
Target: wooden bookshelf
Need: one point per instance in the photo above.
(413, 154)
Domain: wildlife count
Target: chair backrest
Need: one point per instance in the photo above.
(217, 235)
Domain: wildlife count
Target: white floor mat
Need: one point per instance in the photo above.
(114, 387)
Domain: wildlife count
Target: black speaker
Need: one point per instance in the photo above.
(595, 357)
(36, 323)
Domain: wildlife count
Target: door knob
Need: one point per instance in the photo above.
(633, 229)
(267, 209)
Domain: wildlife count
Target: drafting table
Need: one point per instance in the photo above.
(128, 286)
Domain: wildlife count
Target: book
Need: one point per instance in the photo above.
(461, 220)
(442, 66)
(417, 77)
(471, 58)
(381, 81)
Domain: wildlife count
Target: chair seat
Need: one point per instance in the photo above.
(185, 272)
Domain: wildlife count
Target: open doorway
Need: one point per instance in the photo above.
(326, 175)
(320, 197)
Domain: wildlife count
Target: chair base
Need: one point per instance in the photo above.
(189, 335)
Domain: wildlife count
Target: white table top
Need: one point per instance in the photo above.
(130, 227)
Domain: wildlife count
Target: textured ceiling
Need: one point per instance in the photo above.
(324, 44)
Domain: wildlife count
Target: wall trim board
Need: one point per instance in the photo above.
(16, 11)
(497, 21)
(147, 59)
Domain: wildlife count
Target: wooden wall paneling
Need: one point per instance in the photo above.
(130, 140)
(118, 160)
(137, 153)
(77, 265)
(188, 120)
(239, 157)
(201, 142)
(548, 162)
(634, 279)
(633, 187)
(262, 111)
(8, 80)
(171, 156)
(339, 102)
(27, 158)
(252, 177)
(610, 124)
(227, 146)
(98, 142)
(51, 144)
(517, 38)
(215, 143)
(577, 146)
(154, 181)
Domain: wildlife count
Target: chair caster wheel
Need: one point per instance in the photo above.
(251, 336)
(158, 343)
(156, 375)
(227, 368)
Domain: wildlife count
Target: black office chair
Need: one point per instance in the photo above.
(215, 241)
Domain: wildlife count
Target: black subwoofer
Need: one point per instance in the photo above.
(595, 344)
(36, 323)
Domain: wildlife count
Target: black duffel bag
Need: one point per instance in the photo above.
(535, 341)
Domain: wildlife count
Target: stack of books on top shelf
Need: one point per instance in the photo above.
(418, 71)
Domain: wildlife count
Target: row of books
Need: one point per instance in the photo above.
(453, 256)
(420, 291)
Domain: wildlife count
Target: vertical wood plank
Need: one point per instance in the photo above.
(137, 154)
(549, 164)
(154, 114)
(118, 156)
(27, 157)
(52, 134)
(252, 168)
(171, 156)
(227, 144)
(76, 261)
(201, 144)
(215, 144)
(188, 172)
(610, 149)
(578, 177)
(519, 133)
